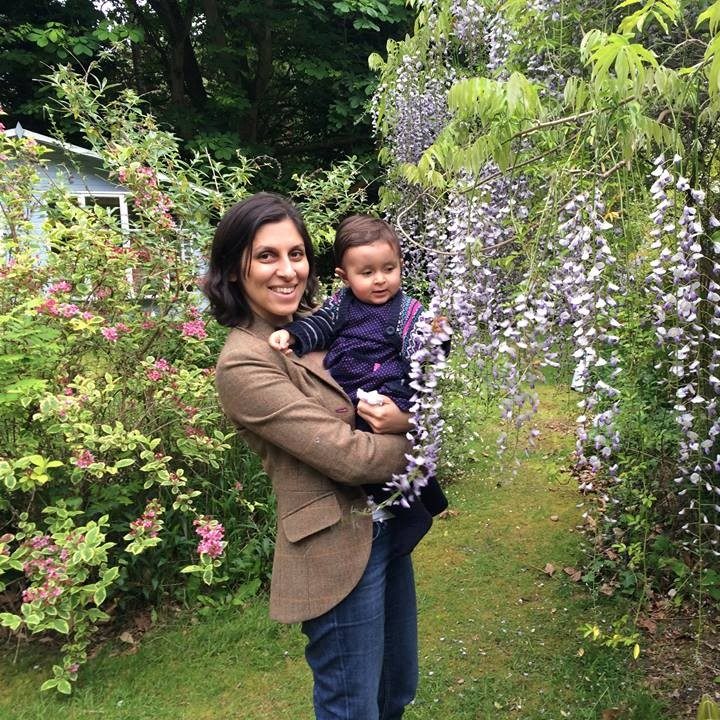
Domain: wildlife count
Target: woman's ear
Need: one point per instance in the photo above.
(339, 272)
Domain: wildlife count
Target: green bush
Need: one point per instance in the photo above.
(117, 468)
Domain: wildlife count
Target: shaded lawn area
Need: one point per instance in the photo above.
(499, 638)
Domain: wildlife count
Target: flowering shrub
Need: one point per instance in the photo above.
(117, 470)
(534, 213)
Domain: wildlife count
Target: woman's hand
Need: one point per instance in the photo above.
(386, 419)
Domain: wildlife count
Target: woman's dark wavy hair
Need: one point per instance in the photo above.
(233, 237)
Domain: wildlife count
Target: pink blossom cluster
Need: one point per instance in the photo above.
(212, 533)
(50, 306)
(149, 523)
(83, 458)
(194, 328)
(189, 410)
(147, 194)
(112, 332)
(160, 368)
(59, 287)
(192, 431)
(47, 568)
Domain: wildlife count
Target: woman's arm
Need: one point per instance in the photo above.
(258, 395)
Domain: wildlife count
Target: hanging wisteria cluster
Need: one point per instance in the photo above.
(469, 26)
(427, 368)
(582, 279)
(683, 284)
(416, 106)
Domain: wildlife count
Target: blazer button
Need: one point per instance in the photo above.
(389, 331)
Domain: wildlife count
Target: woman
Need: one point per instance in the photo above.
(333, 569)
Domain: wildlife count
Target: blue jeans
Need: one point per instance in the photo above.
(363, 653)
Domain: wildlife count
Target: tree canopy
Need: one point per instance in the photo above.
(287, 78)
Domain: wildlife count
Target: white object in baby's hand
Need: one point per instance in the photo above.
(371, 398)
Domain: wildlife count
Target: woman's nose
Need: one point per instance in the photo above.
(285, 267)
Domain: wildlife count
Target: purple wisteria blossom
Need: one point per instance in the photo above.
(687, 325)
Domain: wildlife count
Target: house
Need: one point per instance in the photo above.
(80, 171)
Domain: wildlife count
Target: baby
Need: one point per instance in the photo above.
(367, 329)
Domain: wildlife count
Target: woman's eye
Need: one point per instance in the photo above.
(297, 255)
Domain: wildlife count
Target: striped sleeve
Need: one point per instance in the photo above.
(316, 331)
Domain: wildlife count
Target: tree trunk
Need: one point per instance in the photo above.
(215, 29)
(262, 34)
(183, 71)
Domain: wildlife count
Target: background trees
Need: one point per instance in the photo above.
(289, 79)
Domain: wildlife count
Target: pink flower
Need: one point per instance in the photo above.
(122, 327)
(68, 391)
(49, 307)
(194, 328)
(212, 533)
(86, 315)
(69, 310)
(149, 523)
(39, 542)
(60, 286)
(84, 458)
(160, 368)
(109, 333)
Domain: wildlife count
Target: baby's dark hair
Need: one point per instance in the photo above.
(363, 230)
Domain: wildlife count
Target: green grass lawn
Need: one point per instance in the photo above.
(499, 638)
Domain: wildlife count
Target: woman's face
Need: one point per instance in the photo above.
(278, 271)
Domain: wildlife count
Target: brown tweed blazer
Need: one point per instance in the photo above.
(294, 415)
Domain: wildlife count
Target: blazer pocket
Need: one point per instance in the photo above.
(312, 517)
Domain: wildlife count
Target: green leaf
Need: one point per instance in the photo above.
(712, 14)
(60, 625)
(49, 684)
(64, 687)
(10, 620)
(99, 596)
(709, 709)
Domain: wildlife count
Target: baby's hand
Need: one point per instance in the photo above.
(281, 340)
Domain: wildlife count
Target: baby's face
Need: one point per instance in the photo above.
(372, 272)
